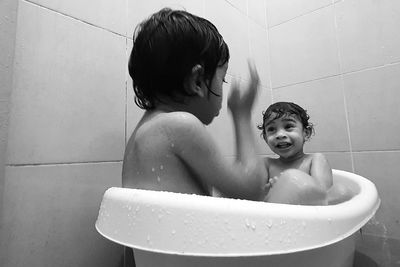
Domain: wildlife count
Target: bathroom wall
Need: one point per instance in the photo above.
(72, 109)
(8, 17)
(340, 60)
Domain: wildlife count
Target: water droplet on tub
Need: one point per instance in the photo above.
(269, 223)
(173, 232)
(172, 144)
(253, 226)
(161, 167)
(247, 223)
(152, 169)
(158, 179)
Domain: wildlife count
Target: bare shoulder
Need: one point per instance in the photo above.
(181, 125)
(168, 123)
(181, 131)
(318, 158)
(321, 169)
(179, 121)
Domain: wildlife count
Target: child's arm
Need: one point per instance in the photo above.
(240, 104)
(321, 171)
(195, 147)
(245, 178)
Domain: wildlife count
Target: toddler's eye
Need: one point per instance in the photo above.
(270, 129)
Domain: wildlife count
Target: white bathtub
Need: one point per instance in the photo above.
(171, 229)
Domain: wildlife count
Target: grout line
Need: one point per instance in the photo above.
(269, 53)
(376, 151)
(339, 74)
(235, 7)
(343, 151)
(61, 163)
(302, 15)
(74, 18)
(346, 112)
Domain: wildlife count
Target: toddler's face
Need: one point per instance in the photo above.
(285, 136)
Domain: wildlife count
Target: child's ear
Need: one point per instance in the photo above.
(308, 133)
(194, 83)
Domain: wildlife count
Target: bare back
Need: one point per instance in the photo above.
(152, 158)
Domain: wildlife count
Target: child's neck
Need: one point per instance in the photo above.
(292, 159)
(171, 106)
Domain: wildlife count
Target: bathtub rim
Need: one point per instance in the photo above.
(367, 188)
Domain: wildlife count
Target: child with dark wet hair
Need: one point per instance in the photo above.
(294, 176)
(178, 65)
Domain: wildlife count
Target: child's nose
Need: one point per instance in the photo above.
(280, 134)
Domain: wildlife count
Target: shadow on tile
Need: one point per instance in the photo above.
(362, 260)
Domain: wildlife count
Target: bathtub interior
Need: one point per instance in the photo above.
(184, 224)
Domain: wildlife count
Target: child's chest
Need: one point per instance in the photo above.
(276, 167)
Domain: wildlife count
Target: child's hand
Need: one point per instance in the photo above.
(271, 182)
(241, 101)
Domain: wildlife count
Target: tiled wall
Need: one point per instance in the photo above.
(8, 25)
(73, 109)
(341, 61)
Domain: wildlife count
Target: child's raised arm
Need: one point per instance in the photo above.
(246, 177)
(240, 104)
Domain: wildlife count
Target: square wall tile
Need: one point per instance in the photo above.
(279, 11)
(360, 25)
(233, 26)
(110, 15)
(373, 102)
(137, 11)
(50, 213)
(69, 90)
(304, 48)
(324, 102)
(383, 169)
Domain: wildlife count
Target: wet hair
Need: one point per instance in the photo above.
(283, 109)
(166, 47)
